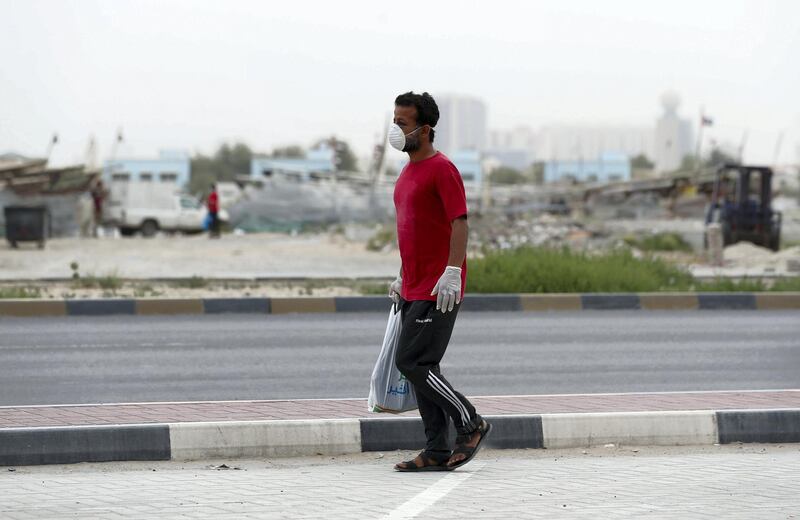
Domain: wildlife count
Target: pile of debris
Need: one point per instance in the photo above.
(748, 256)
(495, 231)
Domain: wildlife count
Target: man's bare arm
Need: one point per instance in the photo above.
(458, 241)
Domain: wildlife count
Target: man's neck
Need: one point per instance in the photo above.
(425, 151)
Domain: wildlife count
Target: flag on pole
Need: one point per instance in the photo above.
(706, 120)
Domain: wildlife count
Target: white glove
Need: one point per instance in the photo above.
(394, 289)
(448, 289)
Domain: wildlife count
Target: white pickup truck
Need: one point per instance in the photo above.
(149, 208)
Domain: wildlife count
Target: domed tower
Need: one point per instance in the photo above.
(673, 135)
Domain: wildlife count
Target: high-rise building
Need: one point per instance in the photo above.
(673, 135)
(609, 166)
(462, 124)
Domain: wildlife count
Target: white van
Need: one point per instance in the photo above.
(147, 208)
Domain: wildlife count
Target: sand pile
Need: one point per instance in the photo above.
(749, 256)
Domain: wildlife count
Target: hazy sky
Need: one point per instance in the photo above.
(190, 74)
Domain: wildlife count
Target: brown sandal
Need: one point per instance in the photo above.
(430, 462)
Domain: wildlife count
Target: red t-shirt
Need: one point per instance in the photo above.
(428, 196)
(213, 202)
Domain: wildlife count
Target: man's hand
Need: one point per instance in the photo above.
(394, 289)
(448, 289)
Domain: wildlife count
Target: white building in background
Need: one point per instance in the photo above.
(171, 167)
(320, 160)
(462, 124)
(673, 135)
(573, 142)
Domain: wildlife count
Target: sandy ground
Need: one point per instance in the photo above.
(264, 255)
(279, 265)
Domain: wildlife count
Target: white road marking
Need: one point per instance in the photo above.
(422, 501)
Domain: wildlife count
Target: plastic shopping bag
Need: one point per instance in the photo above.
(389, 390)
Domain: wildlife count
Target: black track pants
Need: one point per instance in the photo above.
(423, 341)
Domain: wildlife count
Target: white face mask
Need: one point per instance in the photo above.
(397, 138)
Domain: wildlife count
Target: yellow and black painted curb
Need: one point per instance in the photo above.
(473, 302)
(287, 438)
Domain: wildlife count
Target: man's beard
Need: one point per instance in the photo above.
(411, 146)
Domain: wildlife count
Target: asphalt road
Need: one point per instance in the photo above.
(136, 359)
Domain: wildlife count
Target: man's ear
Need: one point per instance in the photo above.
(426, 131)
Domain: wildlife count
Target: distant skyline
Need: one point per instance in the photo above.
(192, 74)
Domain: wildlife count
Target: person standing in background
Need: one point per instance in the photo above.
(212, 203)
(98, 196)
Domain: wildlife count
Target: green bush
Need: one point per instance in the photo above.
(659, 242)
(543, 270)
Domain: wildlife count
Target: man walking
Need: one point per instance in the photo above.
(432, 233)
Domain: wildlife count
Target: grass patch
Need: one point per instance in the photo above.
(143, 291)
(9, 293)
(383, 237)
(109, 282)
(544, 270)
(750, 285)
(309, 286)
(728, 285)
(786, 284)
(195, 282)
(372, 288)
(659, 242)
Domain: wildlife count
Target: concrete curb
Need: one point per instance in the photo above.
(472, 303)
(286, 438)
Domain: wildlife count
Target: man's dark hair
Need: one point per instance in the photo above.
(427, 110)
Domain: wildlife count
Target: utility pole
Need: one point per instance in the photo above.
(776, 154)
(50, 146)
(91, 155)
(741, 147)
